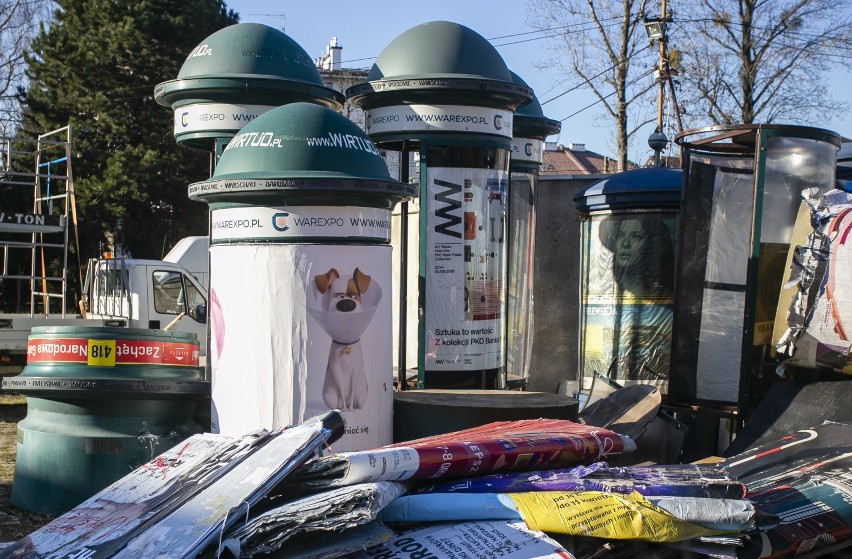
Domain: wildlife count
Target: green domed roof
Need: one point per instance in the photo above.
(439, 48)
(247, 63)
(303, 146)
(439, 62)
(530, 121)
(250, 49)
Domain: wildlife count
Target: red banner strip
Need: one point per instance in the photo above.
(127, 352)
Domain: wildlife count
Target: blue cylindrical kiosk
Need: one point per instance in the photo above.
(300, 276)
(627, 277)
(531, 128)
(443, 89)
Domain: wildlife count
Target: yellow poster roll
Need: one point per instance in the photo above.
(603, 515)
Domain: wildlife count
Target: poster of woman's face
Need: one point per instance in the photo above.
(640, 259)
(628, 297)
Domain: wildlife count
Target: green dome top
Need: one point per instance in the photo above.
(250, 49)
(301, 146)
(439, 62)
(530, 120)
(439, 48)
(304, 140)
(247, 64)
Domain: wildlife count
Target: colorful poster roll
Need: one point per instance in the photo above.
(495, 447)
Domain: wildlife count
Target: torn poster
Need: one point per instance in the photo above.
(677, 480)
(342, 544)
(803, 479)
(495, 447)
(317, 517)
(589, 513)
(508, 540)
(177, 504)
(819, 318)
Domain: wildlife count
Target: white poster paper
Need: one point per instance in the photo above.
(260, 222)
(528, 150)
(299, 329)
(460, 540)
(465, 268)
(448, 118)
(215, 116)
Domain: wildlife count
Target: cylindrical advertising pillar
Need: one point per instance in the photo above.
(300, 276)
(232, 77)
(101, 401)
(445, 89)
(531, 128)
(627, 278)
(235, 75)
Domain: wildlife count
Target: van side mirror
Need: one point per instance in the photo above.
(199, 313)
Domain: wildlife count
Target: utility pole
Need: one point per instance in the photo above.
(662, 70)
(656, 28)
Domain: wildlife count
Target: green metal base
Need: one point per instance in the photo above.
(68, 452)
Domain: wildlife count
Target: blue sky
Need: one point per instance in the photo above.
(364, 29)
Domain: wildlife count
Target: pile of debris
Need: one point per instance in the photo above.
(520, 489)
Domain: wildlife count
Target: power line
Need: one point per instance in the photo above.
(602, 99)
(589, 25)
(529, 40)
(800, 47)
(596, 76)
(546, 30)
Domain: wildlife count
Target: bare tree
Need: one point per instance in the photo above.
(763, 61)
(603, 44)
(19, 21)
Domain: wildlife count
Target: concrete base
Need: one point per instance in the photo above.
(423, 413)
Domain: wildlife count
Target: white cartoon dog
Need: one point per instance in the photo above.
(344, 307)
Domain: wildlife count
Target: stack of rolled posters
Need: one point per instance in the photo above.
(585, 513)
(676, 480)
(495, 447)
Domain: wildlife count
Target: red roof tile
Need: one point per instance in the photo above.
(565, 161)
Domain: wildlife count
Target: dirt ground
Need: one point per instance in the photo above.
(14, 522)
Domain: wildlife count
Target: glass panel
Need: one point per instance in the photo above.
(196, 305)
(168, 292)
(792, 165)
(628, 298)
(520, 274)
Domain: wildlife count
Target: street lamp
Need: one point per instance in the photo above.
(655, 29)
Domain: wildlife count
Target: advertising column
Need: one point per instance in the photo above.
(443, 89)
(235, 75)
(300, 276)
(465, 260)
(531, 129)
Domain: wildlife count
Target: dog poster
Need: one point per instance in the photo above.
(302, 329)
(465, 268)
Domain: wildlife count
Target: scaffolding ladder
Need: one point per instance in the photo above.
(37, 233)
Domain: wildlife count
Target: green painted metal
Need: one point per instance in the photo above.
(302, 151)
(438, 84)
(250, 49)
(439, 49)
(530, 122)
(247, 64)
(437, 63)
(89, 425)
